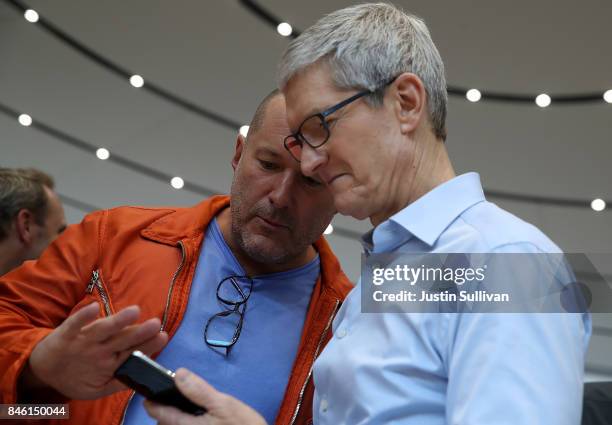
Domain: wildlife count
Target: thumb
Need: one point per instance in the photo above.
(196, 389)
(222, 408)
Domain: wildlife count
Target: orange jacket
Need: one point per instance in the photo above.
(148, 257)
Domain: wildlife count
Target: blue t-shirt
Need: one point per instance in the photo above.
(258, 366)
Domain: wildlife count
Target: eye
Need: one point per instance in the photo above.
(331, 122)
(266, 165)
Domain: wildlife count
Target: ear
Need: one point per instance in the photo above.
(23, 225)
(410, 99)
(240, 145)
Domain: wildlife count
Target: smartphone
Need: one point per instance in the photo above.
(154, 382)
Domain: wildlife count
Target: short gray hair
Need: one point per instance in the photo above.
(22, 188)
(368, 45)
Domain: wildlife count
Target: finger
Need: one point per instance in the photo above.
(151, 346)
(102, 329)
(133, 335)
(73, 324)
(168, 415)
(154, 345)
(196, 389)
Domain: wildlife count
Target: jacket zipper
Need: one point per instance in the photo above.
(299, 404)
(180, 267)
(165, 317)
(95, 282)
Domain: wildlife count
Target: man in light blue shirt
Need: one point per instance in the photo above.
(366, 102)
(439, 368)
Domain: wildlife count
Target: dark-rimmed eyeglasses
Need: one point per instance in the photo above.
(223, 329)
(315, 130)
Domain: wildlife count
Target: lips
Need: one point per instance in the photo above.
(272, 223)
(329, 182)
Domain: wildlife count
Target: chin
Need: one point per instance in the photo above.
(351, 206)
(264, 250)
(355, 201)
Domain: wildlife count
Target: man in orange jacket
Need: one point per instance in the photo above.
(159, 279)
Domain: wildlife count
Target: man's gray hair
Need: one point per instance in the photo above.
(368, 45)
(22, 188)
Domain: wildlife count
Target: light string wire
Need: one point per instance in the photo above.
(577, 98)
(223, 121)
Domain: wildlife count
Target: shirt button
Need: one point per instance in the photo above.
(324, 405)
(341, 333)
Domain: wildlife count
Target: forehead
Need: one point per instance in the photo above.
(55, 208)
(273, 128)
(267, 142)
(310, 91)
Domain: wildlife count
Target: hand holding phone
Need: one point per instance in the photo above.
(223, 409)
(154, 382)
(73, 359)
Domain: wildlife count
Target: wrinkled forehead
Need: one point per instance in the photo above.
(269, 137)
(274, 124)
(310, 91)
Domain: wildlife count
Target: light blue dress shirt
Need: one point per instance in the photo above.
(448, 368)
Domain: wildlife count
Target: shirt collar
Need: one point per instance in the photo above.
(427, 217)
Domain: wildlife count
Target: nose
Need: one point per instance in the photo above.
(284, 189)
(311, 160)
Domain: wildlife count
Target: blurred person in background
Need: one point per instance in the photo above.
(31, 215)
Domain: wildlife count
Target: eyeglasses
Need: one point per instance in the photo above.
(223, 329)
(315, 130)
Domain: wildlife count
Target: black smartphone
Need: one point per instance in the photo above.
(154, 382)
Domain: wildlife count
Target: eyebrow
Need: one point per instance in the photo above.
(319, 110)
(268, 151)
(316, 111)
(310, 113)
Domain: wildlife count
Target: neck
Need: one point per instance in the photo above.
(250, 266)
(10, 256)
(424, 168)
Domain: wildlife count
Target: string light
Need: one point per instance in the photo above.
(473, 95)
(598, 204)
(137, 81)
(25, 120)
(56, 32)
(543, 100)
(266, 16)
(284, 29)
(269, 18)
(177, 182)
(204, 191)
(103, 154)
(244, 130)
(31, 16)
(329, 230)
